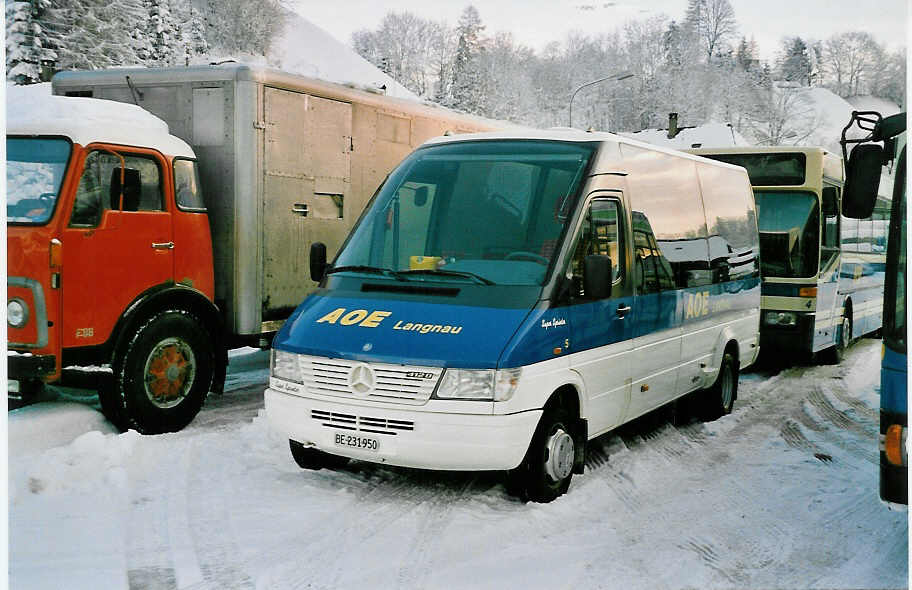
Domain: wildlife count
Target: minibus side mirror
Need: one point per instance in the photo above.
(421, 196)
(317, 261)
(597, 278)
(862, 181)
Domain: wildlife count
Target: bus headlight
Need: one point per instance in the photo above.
(485, 384)
(285, 366)
(16, 313)
(780, 318)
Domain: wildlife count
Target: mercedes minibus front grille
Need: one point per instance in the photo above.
(401, 384)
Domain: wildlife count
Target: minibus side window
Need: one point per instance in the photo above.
(599, 234)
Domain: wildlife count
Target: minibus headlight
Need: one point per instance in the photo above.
(16, 313)
(285, 366)
(484, 384)
(780, 318)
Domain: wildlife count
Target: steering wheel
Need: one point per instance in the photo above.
(523, 255)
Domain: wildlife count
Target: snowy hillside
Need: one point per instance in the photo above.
(306, 49)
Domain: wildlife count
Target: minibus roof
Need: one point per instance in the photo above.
(610, 159)
(90, 120)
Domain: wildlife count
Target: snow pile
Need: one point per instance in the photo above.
(44, 426)
(306, 49)
(31, 109)
(94, 460)
(710, 135)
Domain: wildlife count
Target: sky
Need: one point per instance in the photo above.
(537, 22)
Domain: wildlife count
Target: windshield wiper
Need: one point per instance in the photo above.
(367, 269)
(451, 273)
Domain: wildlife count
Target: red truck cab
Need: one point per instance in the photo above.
(109, 259)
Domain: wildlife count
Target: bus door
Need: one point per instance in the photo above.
(600, 315)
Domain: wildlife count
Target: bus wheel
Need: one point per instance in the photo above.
(311, 458)
(166, 372)
(719, 399)
(834, 355)
(547, 468)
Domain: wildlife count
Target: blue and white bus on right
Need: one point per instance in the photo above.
(822, 273)
(884, 142)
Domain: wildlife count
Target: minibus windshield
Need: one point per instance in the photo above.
(35, 168)
(486, 212)
(789, 233)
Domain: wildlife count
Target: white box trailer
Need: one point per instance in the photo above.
(284, 160)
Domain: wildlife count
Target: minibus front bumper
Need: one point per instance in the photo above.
(406, 438)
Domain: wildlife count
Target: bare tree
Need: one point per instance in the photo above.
(849, 57)
(783, 115)
(712, 22)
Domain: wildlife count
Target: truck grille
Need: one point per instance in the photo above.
(391, 383)
(362, 423)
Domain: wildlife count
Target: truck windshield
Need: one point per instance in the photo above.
(487, 212)
(34, 171)
(789, 233)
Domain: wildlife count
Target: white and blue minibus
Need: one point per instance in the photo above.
(507, 297)
(823, 273)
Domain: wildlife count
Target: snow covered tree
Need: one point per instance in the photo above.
(795, 61)
(29, 47)
(163, 33)
(403, 47)
(243, 26)
(469, 86)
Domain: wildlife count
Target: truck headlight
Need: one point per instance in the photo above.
(16, 313)
(285, 366)
(780, 318)
(473, 384)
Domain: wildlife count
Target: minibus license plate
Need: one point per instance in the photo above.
(353, 441)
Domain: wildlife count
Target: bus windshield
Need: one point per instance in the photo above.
(490, 212)
(789, 233)
(34, 172)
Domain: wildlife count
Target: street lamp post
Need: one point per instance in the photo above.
(615, 77)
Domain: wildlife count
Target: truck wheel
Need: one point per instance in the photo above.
(547, 468)
(311, 458)
(166, 372)
(719, 399)
(112, 402)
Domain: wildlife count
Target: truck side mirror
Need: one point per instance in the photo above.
(421, 196)
(862, 181)
(597, 269)
(317, 261)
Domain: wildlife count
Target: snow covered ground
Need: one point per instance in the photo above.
(780, 494)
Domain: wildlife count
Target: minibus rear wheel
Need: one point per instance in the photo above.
(315, 459)
(719, 399)
(547, 468)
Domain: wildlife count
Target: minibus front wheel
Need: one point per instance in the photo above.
(719, 399)
(547, 468)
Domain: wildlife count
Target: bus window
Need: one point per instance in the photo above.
(789, 228)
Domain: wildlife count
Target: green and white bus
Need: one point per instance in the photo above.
(822, 273)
